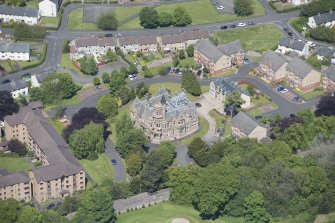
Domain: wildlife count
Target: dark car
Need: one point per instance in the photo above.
(290, 34)
(232, 26)
(168, 69)
(5, 81)
(199, 72)
(26, 75)
(197, 105)
(224, 27)
(292, 115)
(114, 162)
(280, 89)
(251, 23)
(258, 117)
(286, 29)
(296, 98)
(109, 35)
(176, 71)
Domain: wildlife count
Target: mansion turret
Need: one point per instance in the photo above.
(163, 117)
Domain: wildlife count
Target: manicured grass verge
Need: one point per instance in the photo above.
(76, 21)
(253, 38)
(51, 22)
(166, 212)
(67, 63)
(123, 13)
(100, 169)
(219, 119)
(14, 164)
(196, 10)
(313, 94)
(203, 129)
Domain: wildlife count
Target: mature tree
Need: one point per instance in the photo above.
(88, 65)
(7, 104)
(181, 17)
(52, 216)
(124, 94)
(66, 85)
(107, 22)
(30, 215)
(214, 187)
(233, 100)
(117, 81)
(182, 181)
(22, 31)
(165, 19)
(175, 60)
(323, 33)
(35, 94)
(306, 115)
(255, 211)
(106, 78)
(120, 190)
(243, 7)
(152, 173)
(110, 56)
(70, 204)
(167, 153)
(9, 210)
(88, 140)
(15, 146)
(199, 151)
(107, 105)
(127, 136)
(190, 83)
(326, 106)
(181, 54)
(96, 206)
(134, 164)
(315, 7)
(96, 81)
(297, 137)
(22, 100)
(190, 50)
(132, 69)
(83, 117)
(141, 90)
(149, 18)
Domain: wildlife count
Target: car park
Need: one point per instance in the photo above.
(109, 35)
(241, 24)
(224, 27)
(114, 162)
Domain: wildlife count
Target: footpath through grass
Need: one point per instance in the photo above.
(258, 38)
(14, 164)
(100, 169)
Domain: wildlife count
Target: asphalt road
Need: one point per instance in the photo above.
(119, 169)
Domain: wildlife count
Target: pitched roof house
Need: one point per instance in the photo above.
(14, 51)
(27, 15)
(16, 88)
(49, 8)
(287, 45)
(325, 19)
(301, 75)
(245, 126)
(272, 66)
(137, 43)
(221, 87)
(324, 52)
(328, 81)
(14, 185)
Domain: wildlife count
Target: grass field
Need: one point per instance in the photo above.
(196, 10)
(99, 170)
(166, 212)
(313, 94)
(203, 129)
(76, 21)
(218, 118)
(253, 38)
(50, 22)
(67, 63)
(14, 164)
(123, 13)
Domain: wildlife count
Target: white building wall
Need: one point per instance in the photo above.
(23, 91)
(25, 19)
(47, 8)
(14, 56)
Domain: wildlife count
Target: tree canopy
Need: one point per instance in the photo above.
(149, 18)
(7, 104)
(88, 65)
(181, 17)
(107, 22)
(190, 83)
(243, 7)
(107, 105)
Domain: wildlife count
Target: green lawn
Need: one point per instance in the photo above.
(99, 170)
(14, 164)
(203, 129)
(123, 13)
(76, 21)
(258, 110)
(59, 127)
(196, 10)
(67, 63)
(51, 22)
(218, 118)
(313, 94)
(253, 38)
(32, 4)
(166, 212)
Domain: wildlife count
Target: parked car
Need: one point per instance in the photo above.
(199, 72)
(284, 91)
(131, 77)
(5, 81)
(176, 71)
(296, 98)
(280, 89)
(258, 117)
(246, 60)
(290, 34)
(286, 29)
(292, 115)
(134, 76)
(215, 2)
(109, 35)
(251, 23)
(224, 27)
(310, 43)
(168, 69)
(114, 162)
(197, 105)
(221, 7)
(232, 26)
(98, 87)
(241, 24)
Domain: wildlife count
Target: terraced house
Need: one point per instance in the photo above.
(144, 44)
(325, 19)
(19, 14)
(328, 81)
(302, 76)
(14, 51)
(163, 117)
(60, 174)
(272, 67)
(287, 45)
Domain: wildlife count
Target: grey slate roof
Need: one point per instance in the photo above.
(324, 18)
(13, 178)
(196, 34)
(55, 148)
(326, 52)
(15, 47)
(172, 38)
(330, 72)
(18, 11)
(140, 40)
(299, 67)
(245, 123)
(13, 85)
(226, 87)
(272, 60)
(231, 48)
(292, 44)
(206, 48)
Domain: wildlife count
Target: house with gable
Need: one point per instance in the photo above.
(325, 19)
(49, 8)
(272, 66)
(325, 53)
(234, 50)
(328, 81)
(19, 14)
(287, 45)
(16, 88)
(14, 51)
(245, 126)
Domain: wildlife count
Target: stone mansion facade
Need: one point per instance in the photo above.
(163, 117)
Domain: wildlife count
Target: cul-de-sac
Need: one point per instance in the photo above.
(167, 111)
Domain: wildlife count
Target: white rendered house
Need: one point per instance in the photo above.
(19, 14)
(287, 45)
(14, 51)
(16, 88)
(325, 19)
(49, 8)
